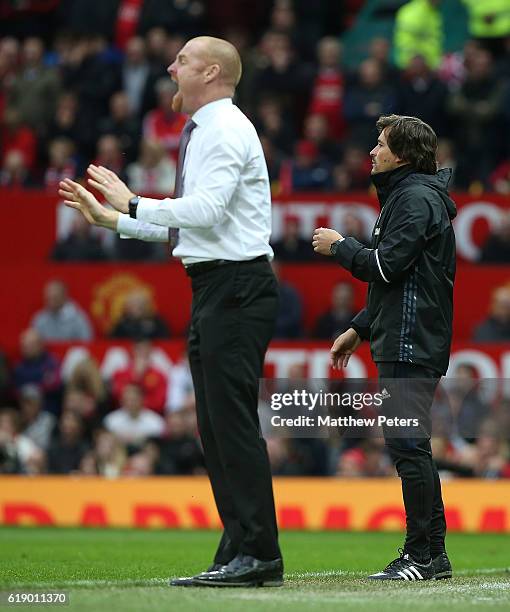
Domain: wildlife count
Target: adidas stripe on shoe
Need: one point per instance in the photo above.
(405, 568)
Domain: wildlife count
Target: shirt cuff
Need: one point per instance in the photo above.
(126, 226)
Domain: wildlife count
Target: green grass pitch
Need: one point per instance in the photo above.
(128, 570)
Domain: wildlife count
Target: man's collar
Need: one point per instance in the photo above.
(384, 182)
(204, 113)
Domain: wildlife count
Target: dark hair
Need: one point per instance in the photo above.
(413, 140)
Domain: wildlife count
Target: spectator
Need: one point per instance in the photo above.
(35, 89)
(418, 31)
(317, 130)
(421, 94)
(69, 447)
(476, 109)
(109, 154)
(489, 456)
(106, 458)
(353, 226)
(135, 74)
(67, 123)
(496, 328)
(446, 158)
(156, 41)
(338, 318)
(39, 367)
(14, 172)
(123, 124)
(37, 424)
(79, 402)
(179, 452)
(61, 319)
(86, 377)
(289, 323)
(496, 249)
(181, 394)
(81, 244)
(328, 87)
(365, 100)
(353, 173)
(273, 123)
(17, 137)
(500, 179)
(61, 163)
(380, 51)
(18, 454)
(143, 372)
(368, 460)
(292, 246)
(139, 319)
(154, 172)
(308, 172)
(274, 162)
(162, 124)
(133, 424)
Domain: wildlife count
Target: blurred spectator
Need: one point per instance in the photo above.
(365, 100)
(69, 446)
(139, 319)
(353, 226)
(421, 94)
(181, 394)
(173, 15)
(496, 328)
(418, 31)
(81, 244)
(79, 402)
(156, 41)
(40, 367)
(289, 323)
(107, 456)
(489, 456)
(380, 51)
(9, 58)
(141, 463)
(354, 171)
(496, 248)
(14, 172)
(122, 123)
(36, 423)
(328, 87)
(61, 318)
(292, 246)
(179, 452)
(17, 137)
(67, 123)
(61, 163)
(445, 157)
(271, 122)
(86, 377)
(162, 124)
(154, 172)
(338, 318)
(143, 372)
(476, 109)
(18, 454)
(133, 424)
(308, 172)
(109, 154)
(35, 89)
(134, 74)
(489, 23)
(500, 179)
(274, 160)
(369, 460)
(317, 130)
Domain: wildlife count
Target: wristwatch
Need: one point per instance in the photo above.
(333, 249)
(133, 205)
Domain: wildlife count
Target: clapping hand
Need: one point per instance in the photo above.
(77, 197)
(109, 184)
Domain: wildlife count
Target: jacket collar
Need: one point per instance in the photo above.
(385, 182)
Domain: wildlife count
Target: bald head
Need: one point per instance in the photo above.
(223, 53)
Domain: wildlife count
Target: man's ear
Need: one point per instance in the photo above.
(212, 72)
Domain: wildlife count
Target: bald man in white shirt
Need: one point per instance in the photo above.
(220, 222)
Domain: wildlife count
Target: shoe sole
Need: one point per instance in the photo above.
(276, 582)
(444, 575)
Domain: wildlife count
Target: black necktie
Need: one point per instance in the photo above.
(189, 126)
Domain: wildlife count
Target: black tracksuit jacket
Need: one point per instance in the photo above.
(410, 269)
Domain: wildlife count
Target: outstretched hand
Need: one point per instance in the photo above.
(111, 187)
(77, 197)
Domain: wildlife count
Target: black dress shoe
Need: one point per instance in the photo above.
(189, 581)
(244, 571)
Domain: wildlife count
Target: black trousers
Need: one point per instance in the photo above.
(421, 486)
(233, 315)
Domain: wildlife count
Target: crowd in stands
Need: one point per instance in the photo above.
(97, 95)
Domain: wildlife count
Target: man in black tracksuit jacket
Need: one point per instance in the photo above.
(410, 269)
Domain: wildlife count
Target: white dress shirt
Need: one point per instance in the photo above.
(225, 210)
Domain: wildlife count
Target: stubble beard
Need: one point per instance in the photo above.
(177, 102)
